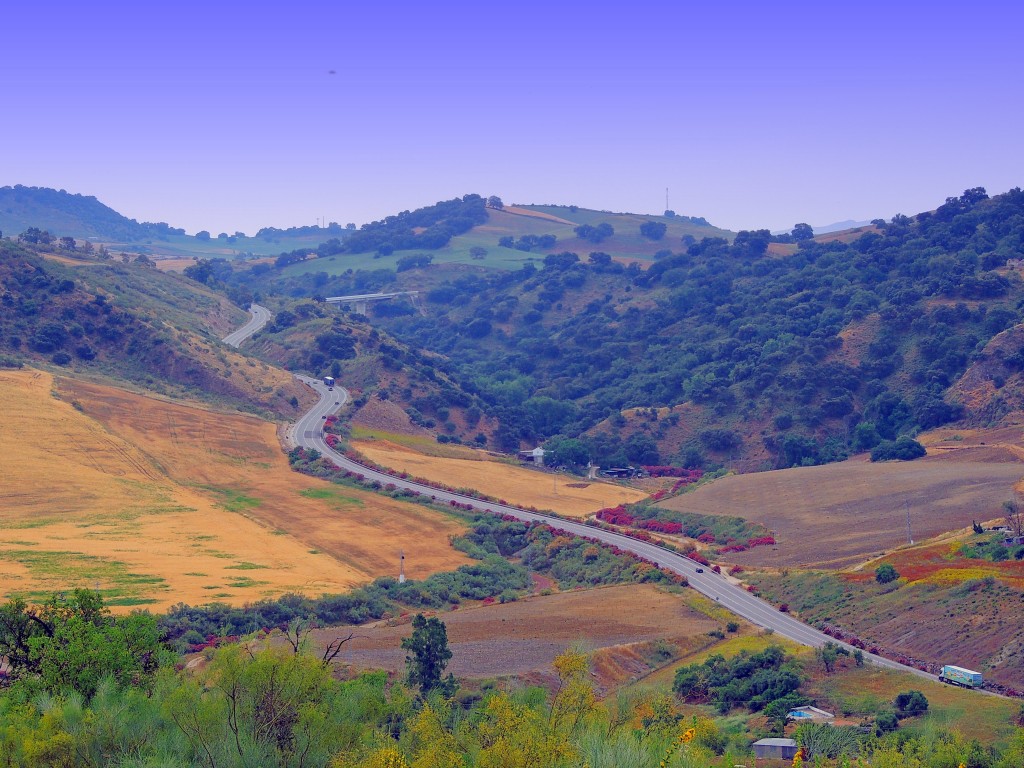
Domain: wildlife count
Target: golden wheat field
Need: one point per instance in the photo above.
(154, 502)
(516, 485)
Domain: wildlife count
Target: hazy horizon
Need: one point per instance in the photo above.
(241, 116)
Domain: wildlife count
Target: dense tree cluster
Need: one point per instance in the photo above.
(528, 242)
(653, 230)
(744, 336)
(437, 224)
(593, 234)
(754, 681)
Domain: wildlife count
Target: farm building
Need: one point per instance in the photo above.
(775, 749)
(536, 456)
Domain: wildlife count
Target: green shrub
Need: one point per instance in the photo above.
(886, 573)
(902, 449)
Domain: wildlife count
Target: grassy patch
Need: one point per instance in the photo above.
(231, 499)
(130, 601)
(330, 494)
(241, 582)
(708, 607)
(750, 643)
(38, 522)
(868, 690)
(246, 567)
(419, 443)
(61, 569)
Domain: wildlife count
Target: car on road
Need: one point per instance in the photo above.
(700, 570)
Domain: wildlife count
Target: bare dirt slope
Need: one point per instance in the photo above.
(837, 515)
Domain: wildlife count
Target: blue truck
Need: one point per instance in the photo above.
(329, 381)
(965, 678)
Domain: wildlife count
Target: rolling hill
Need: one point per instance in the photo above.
(131, 323)
(728, 349)
(525, 225)
(64, 214)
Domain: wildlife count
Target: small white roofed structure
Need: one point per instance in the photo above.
(536, 455)
(784, 749)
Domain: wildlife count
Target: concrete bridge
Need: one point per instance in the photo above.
(361, 302)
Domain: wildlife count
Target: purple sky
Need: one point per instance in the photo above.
(223, 115)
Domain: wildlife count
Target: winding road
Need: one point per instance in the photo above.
(260, 317)
(307, 432)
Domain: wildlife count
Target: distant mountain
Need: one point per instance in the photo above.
(839, 226)
(66, 214)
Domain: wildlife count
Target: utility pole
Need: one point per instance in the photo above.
(401, 568)
(910, 538)
(666, 200)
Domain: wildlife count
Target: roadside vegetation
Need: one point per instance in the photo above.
(89, 689)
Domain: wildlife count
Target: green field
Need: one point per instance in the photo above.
(626, 244)
(186, 246)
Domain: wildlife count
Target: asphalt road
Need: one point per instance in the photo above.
(260, 317)
(307, 432)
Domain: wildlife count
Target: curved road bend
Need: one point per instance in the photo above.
(307, 432)
(260, 317)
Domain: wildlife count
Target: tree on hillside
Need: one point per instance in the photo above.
(35, 236)
(565, 452)
(911, 704)
(802, 232)
(1014, 515)
(67, 244)
(429, 656)
(754, 243)
(885, 573)
(653, 230)
(903, 448)
(73, 642)
(596, 234)
(495, 202)
(202, 235)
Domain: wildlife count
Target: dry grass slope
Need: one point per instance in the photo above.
(516, 485)
(156, 502)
